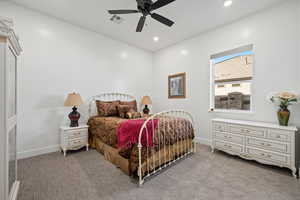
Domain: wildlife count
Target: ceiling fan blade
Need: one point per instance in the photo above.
(141, 24)
(118, 12)
(160, 3)
(162, 19)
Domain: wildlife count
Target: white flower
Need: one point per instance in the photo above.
(283, 99)
(286, 95)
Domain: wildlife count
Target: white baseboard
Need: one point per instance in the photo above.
(37, 152)
(203, 141)
(55, 148)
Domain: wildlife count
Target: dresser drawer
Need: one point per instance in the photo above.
(78, 142)
(247, 130)
(230, 137)
(272, 157)
(76, 133)
(228, 146)
(221, 127)
(273, 146)
(279, 135)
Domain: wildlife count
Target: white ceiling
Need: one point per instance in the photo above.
(191, 16)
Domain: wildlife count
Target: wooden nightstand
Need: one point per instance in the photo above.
(74, 138)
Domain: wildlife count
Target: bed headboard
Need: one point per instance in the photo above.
(107, 97)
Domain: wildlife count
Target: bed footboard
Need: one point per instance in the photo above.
(170, 135)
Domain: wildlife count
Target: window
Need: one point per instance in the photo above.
(231, 79)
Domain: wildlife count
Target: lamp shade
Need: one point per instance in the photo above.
(146, 100)
(73, 99)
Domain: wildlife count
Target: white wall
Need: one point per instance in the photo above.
(275, 35)
(59, 58)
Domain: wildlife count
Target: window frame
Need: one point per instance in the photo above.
(213, 84)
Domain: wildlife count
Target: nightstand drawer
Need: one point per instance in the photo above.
(78, 142)
(76, 133)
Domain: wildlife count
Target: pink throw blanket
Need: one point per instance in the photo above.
(128, 133)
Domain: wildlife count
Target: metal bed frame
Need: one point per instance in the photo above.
(158, 133)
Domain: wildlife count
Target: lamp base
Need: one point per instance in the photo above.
(74, 116)
(146, 110)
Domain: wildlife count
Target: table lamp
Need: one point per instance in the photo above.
(146, 100)
(74, 99)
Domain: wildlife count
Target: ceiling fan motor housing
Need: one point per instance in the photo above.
(144, 6)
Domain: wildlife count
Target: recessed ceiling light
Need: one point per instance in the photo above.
(184, 52)
(227, 3)
(155, 39)
(44, 32)
(124, 55)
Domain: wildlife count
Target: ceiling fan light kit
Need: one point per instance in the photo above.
(146, 7)
(117, 19)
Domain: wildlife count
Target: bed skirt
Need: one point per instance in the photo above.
(165, 155)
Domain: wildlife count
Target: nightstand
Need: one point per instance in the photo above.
(74, 138)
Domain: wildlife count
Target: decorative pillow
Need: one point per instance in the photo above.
(132, 104)
(123, 109)
(133, 115)
(107, 108)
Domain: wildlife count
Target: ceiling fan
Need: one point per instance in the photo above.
(146, 7)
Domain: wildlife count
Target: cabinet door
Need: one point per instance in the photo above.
(12, 164)
(11, 84)
(11, 107)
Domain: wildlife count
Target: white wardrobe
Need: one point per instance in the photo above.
(9, 51)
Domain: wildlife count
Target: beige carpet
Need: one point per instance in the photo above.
(208, 176)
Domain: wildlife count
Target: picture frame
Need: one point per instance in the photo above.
(177, 86)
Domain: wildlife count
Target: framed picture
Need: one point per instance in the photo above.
(176, 85)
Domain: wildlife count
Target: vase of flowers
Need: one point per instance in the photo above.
(284, 100)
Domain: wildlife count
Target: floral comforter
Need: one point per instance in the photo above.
(171, 130)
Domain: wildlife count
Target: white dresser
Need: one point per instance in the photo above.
(266, 143)
(73, 138)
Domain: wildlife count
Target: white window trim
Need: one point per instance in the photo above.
(212, 90)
